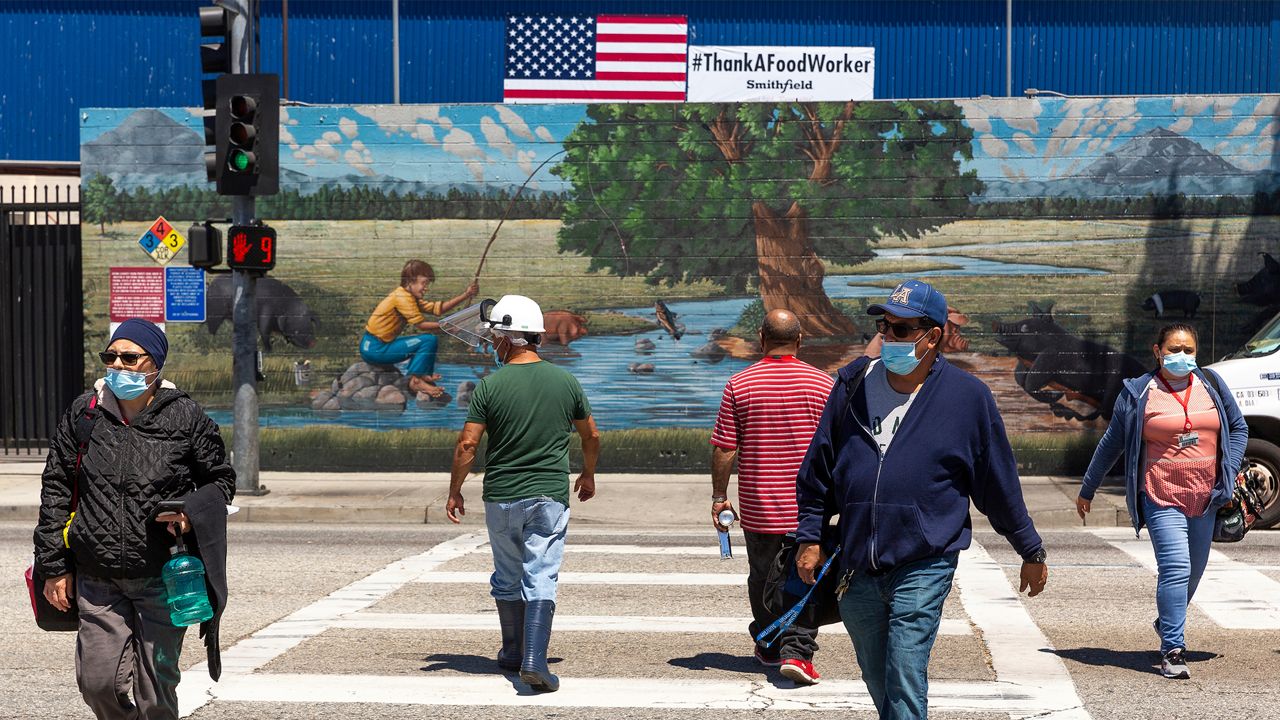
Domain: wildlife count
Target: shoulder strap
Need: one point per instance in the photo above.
(84, 430)
(1212, 377)
(851, 388)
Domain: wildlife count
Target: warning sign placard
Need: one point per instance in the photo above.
(137, 292)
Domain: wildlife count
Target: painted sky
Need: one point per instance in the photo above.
(1048, 139)
(1014, 139)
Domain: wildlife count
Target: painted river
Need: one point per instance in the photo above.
(682, 391)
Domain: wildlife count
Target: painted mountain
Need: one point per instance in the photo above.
(1158, 162)
(148, 149)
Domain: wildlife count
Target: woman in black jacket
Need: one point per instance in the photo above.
(99, 541)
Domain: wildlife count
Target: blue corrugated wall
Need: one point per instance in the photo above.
(59, 56)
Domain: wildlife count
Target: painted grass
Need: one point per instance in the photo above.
(967, 232)
(340, 449)
(343, 269)
(675, 451)
(879, 266)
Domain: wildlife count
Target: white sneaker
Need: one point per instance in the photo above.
(1174, 665)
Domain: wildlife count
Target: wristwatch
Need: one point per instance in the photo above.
(1036, 557)
(719, 498)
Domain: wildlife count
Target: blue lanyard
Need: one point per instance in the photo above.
(780, 625)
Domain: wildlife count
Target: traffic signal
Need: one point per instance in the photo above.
(247, 133)
(215, 58)
(204, 245)
(251, 247)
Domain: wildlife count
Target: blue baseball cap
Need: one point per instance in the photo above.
(913, 299)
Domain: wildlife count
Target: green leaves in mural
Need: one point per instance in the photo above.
(99, 206)
(737, 193)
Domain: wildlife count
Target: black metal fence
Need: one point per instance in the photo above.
(41, 314)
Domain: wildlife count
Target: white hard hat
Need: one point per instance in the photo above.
(516, 313)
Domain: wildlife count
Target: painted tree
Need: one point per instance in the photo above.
(100, 203)
(758, 193)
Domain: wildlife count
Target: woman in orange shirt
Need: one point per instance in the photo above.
(382, 342)
(1183, 439)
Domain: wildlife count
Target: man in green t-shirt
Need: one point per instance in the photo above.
(528, 407)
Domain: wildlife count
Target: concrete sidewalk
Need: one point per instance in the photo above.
(627, 500)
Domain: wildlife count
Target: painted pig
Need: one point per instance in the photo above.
(563, 326)
(279, 310)
(1079, 379)
(1188, 301)
(1264, 287)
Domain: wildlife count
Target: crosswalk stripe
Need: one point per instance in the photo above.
(1030, 679)
(1233, 594)
(585, 623)
(1021, 655)
(664, 693)
(712, 550)
(596, 578)
(255, 651)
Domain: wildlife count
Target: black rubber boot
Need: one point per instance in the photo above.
(537, 633)
(511, 617)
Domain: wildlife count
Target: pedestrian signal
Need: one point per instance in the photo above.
(251, 247)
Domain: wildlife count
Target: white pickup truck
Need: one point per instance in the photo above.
(1253, 374)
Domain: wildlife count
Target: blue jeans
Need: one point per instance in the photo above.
(893, 621)
(527, 538)
(1182, 551)
(420, 350)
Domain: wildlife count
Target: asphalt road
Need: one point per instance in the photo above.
(396, 622)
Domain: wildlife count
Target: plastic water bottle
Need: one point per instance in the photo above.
(184, 579)
(725, 518)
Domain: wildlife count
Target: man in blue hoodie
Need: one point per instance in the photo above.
(906, 441)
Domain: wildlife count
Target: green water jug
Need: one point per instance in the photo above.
(184, 579)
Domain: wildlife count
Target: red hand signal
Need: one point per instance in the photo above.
(240, 246)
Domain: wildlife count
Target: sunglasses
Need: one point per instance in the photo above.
(897, 331)
(128, 358)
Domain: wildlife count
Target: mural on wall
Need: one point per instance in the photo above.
(1064, 232)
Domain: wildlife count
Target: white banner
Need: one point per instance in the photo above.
(765, 74)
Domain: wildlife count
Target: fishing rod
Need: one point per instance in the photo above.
(510, 205)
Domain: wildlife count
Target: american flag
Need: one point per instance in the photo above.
(606, 58)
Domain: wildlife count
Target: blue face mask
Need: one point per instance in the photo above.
(1179, 364)
(497, 355)
(899, 358)
(126, 384)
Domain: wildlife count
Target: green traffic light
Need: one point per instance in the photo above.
(239, 160)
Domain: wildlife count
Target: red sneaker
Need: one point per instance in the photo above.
(801, 672)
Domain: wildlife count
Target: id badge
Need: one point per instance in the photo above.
(1188, 439)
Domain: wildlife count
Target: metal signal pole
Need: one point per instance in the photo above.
(244, 344)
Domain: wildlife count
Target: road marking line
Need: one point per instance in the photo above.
(711, 551)
(1233, 594)
(680, 531)
(267, 644)
(596, 578)
(1024, 660)
(585, 623)
(1029, 682)
(666, 693)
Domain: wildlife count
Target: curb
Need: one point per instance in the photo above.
(419, 515)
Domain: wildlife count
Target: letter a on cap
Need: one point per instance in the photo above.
(900, 295)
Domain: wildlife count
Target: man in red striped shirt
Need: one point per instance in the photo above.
(767, 417)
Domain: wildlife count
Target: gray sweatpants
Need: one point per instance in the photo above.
(126, 642)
